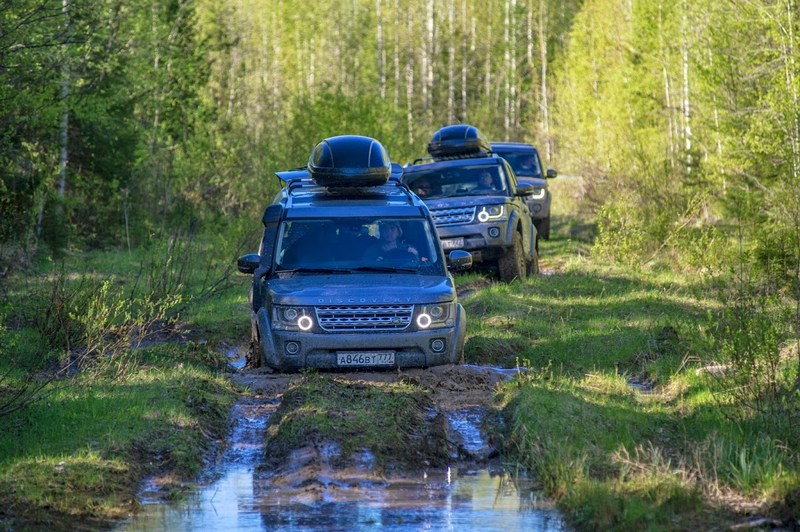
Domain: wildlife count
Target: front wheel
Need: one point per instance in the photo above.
(512, 265)
(533, 265)
(254, 358)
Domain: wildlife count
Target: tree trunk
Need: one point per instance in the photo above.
(545, 105)
(410, 87)
(687, 115)
(63, 158)
(451, 59)
(381, 52)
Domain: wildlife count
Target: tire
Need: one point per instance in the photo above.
(512, 265)
(544, 228)
(254, 358)
(533, 265)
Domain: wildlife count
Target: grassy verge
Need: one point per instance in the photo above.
(614, 414)
(80, 453)
(110, 371)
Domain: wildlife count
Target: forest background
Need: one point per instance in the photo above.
(124, 122)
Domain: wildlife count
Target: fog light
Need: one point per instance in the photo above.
(292, 348)
(494, 232)
(437, 345)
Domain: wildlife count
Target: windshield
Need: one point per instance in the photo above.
(358, 244)
(524, 163)
(461, 181)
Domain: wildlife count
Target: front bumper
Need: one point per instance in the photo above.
(319, 349)
(540, 208)
(478, 239)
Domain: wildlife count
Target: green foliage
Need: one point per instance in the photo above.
(752, 336)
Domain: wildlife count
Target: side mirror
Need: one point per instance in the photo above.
(525, 189)
(248, 263)
(551, 173)
(460, 260)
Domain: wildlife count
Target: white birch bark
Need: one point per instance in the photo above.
(687, 114)
(514, 81)
(381, 52)
(545, 105)
(63, 158)
(396, 52)
(507, 69)
(451, 59)
(410, 87)
(464, 44)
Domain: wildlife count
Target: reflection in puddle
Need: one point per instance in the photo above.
(237, 357)
(239, 497)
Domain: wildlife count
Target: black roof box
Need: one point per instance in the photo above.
(349, 161)
(458, 140)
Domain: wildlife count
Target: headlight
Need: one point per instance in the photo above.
(434, 316)
(292, 318)
(538, 193)
(492, 212)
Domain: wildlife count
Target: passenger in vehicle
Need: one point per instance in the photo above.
(350, 240)
(485, 182)
(529, 166)
(422, 187)
(390, 245)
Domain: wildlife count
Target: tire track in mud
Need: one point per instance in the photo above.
(318, 473)
(315, 487)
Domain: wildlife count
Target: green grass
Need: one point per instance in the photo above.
(78, 452)
(81, 452)
(391, 420)
(613, 456)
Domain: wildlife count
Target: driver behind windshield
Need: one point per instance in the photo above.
(391, 244)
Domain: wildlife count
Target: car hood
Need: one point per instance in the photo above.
(465, 201)
(361, 289)
(535, 181)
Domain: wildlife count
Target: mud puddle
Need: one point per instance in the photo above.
(312, 490)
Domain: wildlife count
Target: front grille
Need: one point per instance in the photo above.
(454, 216)
(364, 317)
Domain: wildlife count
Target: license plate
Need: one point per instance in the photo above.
(365, 358)
(453, 243)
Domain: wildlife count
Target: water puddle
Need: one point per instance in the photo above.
(237, 356)
(308, 493)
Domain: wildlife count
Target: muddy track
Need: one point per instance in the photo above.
(317, 472)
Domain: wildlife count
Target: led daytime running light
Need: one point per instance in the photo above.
(305, 323)
(424, 321)
(538, 193)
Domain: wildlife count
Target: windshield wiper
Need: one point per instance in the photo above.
(314, 270)
(382, 269)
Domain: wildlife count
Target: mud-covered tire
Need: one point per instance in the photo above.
(254, 358)
(512, 265)
(533, 265)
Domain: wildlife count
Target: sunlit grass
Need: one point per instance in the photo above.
(613, 455)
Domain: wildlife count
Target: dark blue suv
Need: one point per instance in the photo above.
(350, 273)
(524, 159)
(476, 202)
